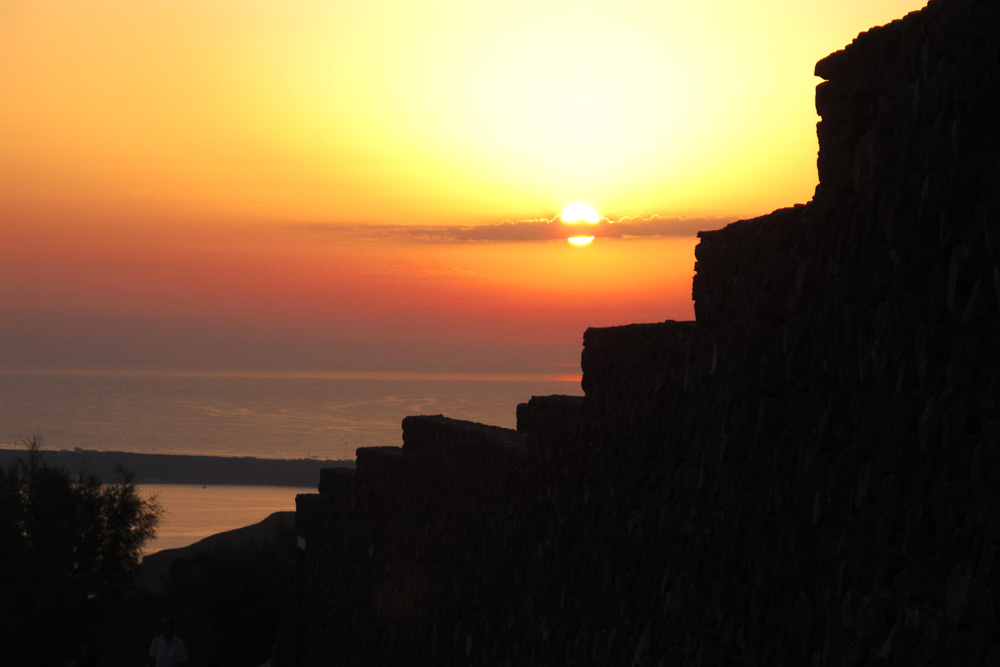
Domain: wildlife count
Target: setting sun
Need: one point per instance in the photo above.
(577, 213)
(580, 212)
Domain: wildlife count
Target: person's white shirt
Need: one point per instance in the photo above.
(168, 653)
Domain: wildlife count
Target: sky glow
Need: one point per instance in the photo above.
(220, 184)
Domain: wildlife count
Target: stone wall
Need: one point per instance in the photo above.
(808, 474)
(398, 560)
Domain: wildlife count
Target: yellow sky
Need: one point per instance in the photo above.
(402, 111)
(186, 180)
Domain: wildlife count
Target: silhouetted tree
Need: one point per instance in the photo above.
(68, 547)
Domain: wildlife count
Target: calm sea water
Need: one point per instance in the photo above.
(192, 512)
(322, 415)
(266, 415)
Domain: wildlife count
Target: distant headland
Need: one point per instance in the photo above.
(186, 469)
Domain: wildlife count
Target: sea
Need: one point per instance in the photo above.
(323, 415)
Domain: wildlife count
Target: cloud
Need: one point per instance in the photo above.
(640, 226)
(531, 230)
(651, 226)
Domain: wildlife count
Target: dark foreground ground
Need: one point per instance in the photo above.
(155, 567)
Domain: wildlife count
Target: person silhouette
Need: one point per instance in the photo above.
(167, 650)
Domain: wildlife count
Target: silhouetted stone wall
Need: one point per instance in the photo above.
(807, 475)
(401, 559)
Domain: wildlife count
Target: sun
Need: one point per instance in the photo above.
(580, 212)
(577, 213)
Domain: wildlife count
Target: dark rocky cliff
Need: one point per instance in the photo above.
(808, 474)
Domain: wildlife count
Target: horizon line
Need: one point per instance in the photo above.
(453, 376)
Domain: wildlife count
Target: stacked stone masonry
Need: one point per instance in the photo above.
(807, 474)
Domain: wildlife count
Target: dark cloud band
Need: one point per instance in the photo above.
(534, 230)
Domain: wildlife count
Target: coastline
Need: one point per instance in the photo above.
(187, 468)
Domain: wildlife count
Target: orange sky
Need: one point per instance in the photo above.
(277, 184)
